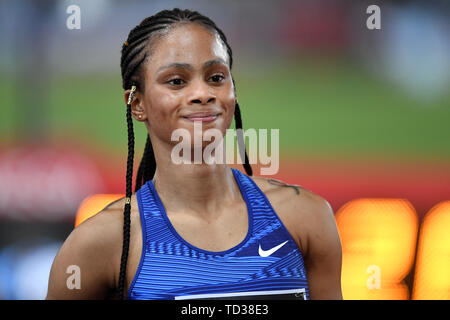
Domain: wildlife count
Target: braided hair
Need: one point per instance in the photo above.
(135, 51)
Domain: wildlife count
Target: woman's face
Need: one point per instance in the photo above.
(187, 79)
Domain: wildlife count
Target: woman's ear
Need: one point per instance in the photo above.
(137, 109)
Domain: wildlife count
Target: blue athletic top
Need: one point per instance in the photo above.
(267, 264)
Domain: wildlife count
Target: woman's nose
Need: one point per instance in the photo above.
(201, 93)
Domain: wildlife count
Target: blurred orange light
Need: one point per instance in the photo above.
(432, 276)
(94, 204)
(378, 244)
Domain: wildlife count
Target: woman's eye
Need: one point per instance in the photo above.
(176, 82)
(217, 78)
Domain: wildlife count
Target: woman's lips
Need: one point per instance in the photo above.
(202, 118)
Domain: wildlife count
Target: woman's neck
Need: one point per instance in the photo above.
(200, 189)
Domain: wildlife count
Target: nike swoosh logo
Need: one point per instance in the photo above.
(266, 253)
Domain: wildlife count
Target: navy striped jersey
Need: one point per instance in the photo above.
(267, 264)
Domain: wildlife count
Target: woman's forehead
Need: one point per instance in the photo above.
(187, 43)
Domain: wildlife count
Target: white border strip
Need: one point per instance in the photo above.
(237, 294)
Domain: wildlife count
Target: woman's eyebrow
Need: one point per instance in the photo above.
(187, 66)
(210, 63)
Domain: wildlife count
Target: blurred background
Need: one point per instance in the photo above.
(364, 120)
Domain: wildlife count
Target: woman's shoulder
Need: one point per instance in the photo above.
(94, 248)
(103, 232)
(295, 196)
(302, 211)
(101, 235)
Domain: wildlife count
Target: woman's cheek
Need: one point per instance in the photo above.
(230, 103)
(163, 107)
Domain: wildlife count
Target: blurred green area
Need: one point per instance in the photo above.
(321, 106)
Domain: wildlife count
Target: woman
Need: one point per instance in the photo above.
(203, 230)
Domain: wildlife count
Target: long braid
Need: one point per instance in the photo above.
(127, 209)
(240, 138)
(135, 52)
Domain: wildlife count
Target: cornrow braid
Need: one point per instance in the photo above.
(135, 51)
(127, 209)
